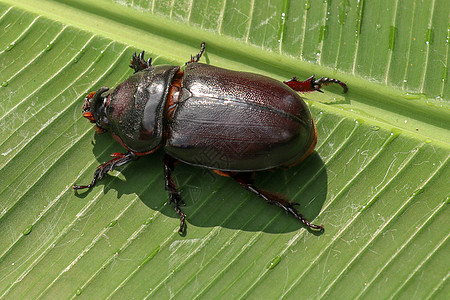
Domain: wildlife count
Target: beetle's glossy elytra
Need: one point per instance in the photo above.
(234, 123)
(237, 121)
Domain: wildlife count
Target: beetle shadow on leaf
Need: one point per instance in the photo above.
(212, 200)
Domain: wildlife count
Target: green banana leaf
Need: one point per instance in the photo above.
(378, 181)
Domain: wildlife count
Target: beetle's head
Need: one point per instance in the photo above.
(94, 109)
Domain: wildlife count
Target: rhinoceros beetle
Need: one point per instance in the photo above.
(234, 123)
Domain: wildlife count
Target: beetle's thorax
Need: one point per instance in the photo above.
(135, 109)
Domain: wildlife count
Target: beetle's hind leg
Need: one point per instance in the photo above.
(171, 187)
(138, 63)
(312, 84)
(246, 181)
(196, 58)
(118, 160)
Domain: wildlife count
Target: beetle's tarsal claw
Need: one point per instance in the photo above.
(311, 84)
(174, 196)
(118, 160)
(244, 179)
(182, 222)
(293, 211)
(82, 187)
(175, 199)
(318, 89)
(326, 81)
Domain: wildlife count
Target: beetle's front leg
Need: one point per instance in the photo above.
(246, 181)
(312, 84)
(196, 58)
(138, 63)
(171, 187)
(118, 160)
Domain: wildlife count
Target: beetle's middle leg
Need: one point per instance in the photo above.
(196, 58)
(246, 181)
(118, 160)
(171, 187)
